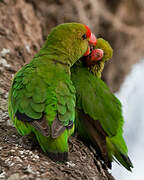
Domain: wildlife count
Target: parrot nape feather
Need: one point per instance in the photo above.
(99, 119)
(42, 95)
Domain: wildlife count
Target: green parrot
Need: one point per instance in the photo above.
(99, 119)
(42, 96)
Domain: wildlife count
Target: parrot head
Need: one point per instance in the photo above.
(70, 41)
(100, 53)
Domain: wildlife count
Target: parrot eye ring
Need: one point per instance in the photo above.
(84, 36)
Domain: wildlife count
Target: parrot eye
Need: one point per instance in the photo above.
(84, 36)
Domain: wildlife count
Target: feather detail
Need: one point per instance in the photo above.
(57, 128)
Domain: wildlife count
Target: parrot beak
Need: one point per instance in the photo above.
(92, 42)
(97, 54)
(94, 56)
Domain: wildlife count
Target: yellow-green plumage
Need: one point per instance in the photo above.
(42, 96)
(99, 119)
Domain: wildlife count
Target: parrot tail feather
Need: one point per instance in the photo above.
(56, 148)
(127, 160)
(120, 156)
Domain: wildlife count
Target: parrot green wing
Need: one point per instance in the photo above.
(65, 94)
(66, 102)
(28, 97)
(96, 100)
(41, 101)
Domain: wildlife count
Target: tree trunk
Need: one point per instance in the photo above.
(24, 25)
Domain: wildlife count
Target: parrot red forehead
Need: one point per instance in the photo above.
(88, 31)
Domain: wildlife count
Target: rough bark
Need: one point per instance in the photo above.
(24, 25)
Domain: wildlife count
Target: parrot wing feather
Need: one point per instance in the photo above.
(28, 96)
(96, 100)
(65, 108)
(34, 100)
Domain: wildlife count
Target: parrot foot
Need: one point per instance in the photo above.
(28, 142)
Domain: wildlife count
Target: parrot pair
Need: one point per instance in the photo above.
(60, 83)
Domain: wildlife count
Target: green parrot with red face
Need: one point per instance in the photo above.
(42, 96)
(99, 119)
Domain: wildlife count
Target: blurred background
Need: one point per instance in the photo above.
(24, 26)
